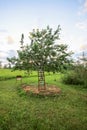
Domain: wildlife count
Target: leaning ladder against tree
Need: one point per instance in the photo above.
(41, 80)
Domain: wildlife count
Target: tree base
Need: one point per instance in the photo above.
(50, 90)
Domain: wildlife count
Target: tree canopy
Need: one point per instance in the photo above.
(43, 52)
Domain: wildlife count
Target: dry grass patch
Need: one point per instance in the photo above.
(50, 90)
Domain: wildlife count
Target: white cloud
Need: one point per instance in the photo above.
(8, 46)
(3, 54)
(12, 53)
(83, 47)
(82, 43)
(78, 44)
(82, 25)
(85, 6)
(82, 7)
(10, 39)
(3, 31)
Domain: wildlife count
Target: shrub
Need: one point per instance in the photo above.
(72, 78)
(77, 77)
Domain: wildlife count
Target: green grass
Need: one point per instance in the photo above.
(21, 111)
(6, 74)
(9, 74)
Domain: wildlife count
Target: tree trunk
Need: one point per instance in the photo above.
(41, 80)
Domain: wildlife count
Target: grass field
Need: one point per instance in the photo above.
(21, 111)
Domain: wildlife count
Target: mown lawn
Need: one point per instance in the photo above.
(21, 111)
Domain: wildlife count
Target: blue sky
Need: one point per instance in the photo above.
(21, 16)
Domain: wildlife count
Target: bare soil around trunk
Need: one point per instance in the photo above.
(50, 90)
